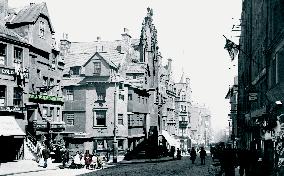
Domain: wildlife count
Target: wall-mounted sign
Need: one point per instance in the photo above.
(12, 108)
(252, 96)
(45, 97)
(7, 71)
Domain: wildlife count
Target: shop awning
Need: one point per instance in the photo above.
(171, 140)
(10, 127)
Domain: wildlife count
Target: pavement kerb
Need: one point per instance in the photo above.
(143, 161)
(31, 171)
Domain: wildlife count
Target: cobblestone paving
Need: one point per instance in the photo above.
(169, 168)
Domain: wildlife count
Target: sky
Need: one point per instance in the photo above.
(189, 31)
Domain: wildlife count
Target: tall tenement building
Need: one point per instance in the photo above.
(260, 85)
(30, 94)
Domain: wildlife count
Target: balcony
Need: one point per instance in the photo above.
(183, 124)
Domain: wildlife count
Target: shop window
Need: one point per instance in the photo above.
(69, 94)
(120, 119)
(99, 118)
(17, 100)
(100, 144)
(2, 95)
(3, 54)
(97, 68)
(70, 118)
(120, 144)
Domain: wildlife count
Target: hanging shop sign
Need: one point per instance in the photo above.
(7, 71)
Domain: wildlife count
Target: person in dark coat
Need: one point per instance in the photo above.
(202, 153)
(45, 155)
(173, 150)
(178, 154)
(88, 159)
(65, 157)
(193, 155)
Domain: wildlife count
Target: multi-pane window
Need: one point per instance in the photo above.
(18, 58)
(120, 119)
(17, 101)
(130, 120)
(69, 94)
(75, 70)
(70, 119)
(41, 29)
(2, 54)
(44, 112)
(97, 68)
(101, 96)
(2, 95)
(99, 118)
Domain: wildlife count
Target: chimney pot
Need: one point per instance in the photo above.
(98, 38)
(32, 3)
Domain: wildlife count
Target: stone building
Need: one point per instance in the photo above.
(29, 53)
(259, 74)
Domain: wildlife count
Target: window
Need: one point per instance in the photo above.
(100, 118)
(97, 68)
(51, 82)
(129, 96)
(53, 61)
(130, 120)
(69, 94)
(18, 58)
(38, 73)
(120, 144)
(120, 119)
(2, 54)
(44, 112)
(41, 29)
(101, 96)
(58, 112)
(121, 96)
(121, 86)
(75, 71)
(2, 95)
(100, 144)
(32, 59)
(51, 112)
(138, 98)
(45, 80)
(17, 101)
(70, 119)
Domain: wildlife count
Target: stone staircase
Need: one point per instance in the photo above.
(30, 147)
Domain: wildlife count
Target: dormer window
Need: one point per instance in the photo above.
(41, 29)
(75, 71)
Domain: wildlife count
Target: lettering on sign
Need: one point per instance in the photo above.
(7, 71)
(252, 96)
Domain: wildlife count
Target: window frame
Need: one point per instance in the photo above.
(3, 54)
(70, 117)
(120, 120)
(4, 91)
(17, 100)
(102, 113)
(70, 94)
(41, 29)
(97, 68)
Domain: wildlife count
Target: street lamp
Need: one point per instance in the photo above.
(115, 146)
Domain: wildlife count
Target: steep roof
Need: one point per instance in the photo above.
(80, 52)
(30, 13)
(8, 33)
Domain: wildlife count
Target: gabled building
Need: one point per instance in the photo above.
(29, 54)
(182, 112)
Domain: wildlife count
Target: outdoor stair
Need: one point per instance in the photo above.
(137, 152)
(30, 147)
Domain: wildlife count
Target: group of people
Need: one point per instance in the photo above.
(193, 154)
(87, 160)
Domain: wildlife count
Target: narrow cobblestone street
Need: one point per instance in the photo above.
(177, 167)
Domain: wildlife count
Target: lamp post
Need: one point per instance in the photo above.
(114, 127)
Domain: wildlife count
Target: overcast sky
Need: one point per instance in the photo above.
(189, 31)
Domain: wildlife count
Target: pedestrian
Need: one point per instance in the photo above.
(202, 153)
(229, 157)
(77, 160)
(94, 163)
(192, 155)
(65, 157)
(45, 155)
(173, 150)
(82, 160)
(88, 159)
(178, 154)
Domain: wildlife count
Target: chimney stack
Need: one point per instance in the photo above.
(65, 44)
(98, 38)
(32, 3)
(125, 36)
(169, 64)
